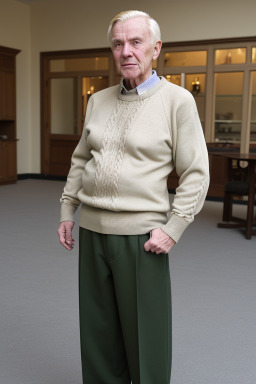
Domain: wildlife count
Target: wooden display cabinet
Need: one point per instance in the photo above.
(8, 150)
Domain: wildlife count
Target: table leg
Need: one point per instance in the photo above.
(250, 209)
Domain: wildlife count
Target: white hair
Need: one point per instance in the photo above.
(126, 15)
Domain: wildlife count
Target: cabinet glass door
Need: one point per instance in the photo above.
(195, 83)
(228, 106)
(185, 59)
(230, 56)
(253, 107)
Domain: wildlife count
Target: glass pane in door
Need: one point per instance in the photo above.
(91, 85)
(228, 106)
(253, 107)
(64, 106)
(79, 64)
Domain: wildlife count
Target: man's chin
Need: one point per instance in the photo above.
(129, 74)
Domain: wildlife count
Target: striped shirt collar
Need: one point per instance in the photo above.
(143, 87)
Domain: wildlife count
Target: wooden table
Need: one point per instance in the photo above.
(248, 223)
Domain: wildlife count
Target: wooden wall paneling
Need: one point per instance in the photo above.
(8, 161)
(60, 156)
(11, 160)
(1, 94)
(8, 150)
(9, 95)
(45, 133)
(2, 161)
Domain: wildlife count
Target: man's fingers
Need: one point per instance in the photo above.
(150, 246)
(159, 242)
(65, 234)
(68, 247)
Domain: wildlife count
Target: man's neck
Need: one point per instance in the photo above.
(128, 85)
(142, 87)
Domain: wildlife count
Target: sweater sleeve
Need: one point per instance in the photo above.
(69, 200)
(191, 162)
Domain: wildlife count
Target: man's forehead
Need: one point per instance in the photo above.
(131, 27)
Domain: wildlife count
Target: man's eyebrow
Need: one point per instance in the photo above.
(136, 38)
(115, 40)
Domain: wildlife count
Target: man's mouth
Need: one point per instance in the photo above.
(128, 65)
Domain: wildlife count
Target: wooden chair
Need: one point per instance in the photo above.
(237, 186)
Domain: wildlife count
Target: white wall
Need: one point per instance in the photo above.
(78, 24)
(15, 33)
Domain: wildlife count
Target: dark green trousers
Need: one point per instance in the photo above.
(125, 311)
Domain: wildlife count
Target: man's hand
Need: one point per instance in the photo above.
(159, 242)
(65, 234)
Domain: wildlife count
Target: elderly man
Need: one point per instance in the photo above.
(134, 135)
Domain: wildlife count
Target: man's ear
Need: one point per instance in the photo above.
(157, 49)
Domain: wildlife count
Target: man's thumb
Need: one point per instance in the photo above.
(147, 245)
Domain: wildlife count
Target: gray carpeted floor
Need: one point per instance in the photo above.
(213, 275)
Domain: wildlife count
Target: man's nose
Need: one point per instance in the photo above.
(127, 50)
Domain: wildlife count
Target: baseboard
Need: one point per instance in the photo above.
(39, 176)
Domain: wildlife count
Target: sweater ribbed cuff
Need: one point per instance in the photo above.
(175, 227)
(67, 212)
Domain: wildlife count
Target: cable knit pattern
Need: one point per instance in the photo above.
(112, 152)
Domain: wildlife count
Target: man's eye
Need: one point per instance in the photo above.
(136, 42)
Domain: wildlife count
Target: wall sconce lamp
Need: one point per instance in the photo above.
(196, 88)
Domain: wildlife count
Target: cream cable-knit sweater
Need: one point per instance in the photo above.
(129, 146)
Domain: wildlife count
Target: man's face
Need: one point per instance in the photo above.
(133, 52)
